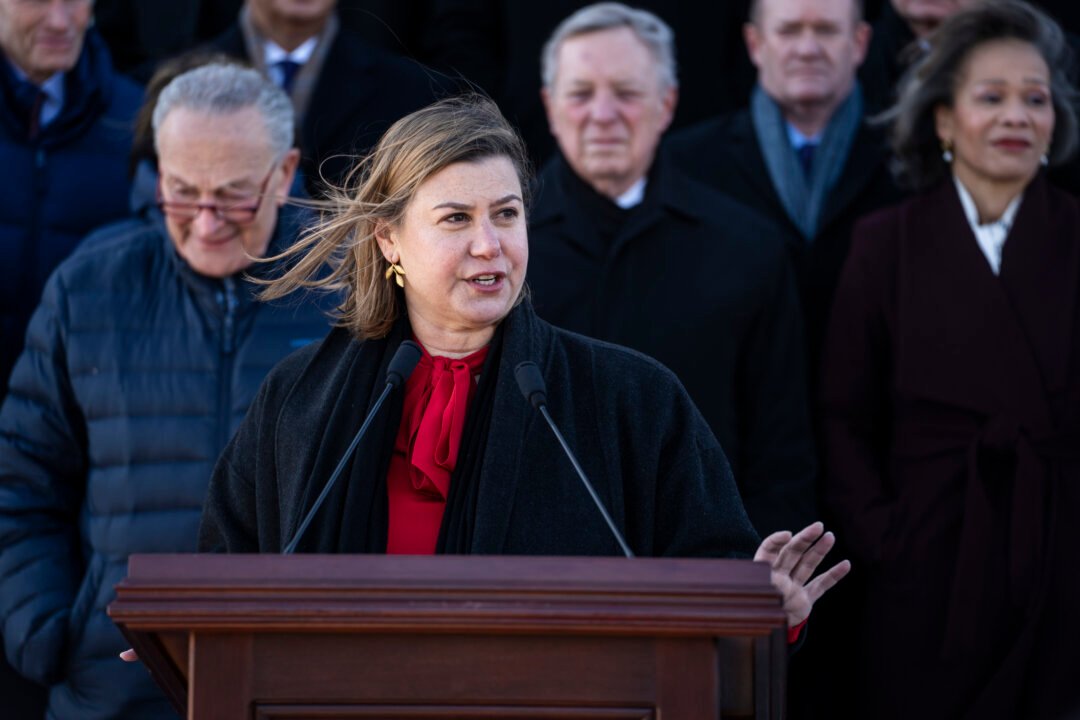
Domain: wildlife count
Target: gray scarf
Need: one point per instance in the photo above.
(804, 198)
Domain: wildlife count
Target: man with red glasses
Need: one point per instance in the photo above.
(141, 360)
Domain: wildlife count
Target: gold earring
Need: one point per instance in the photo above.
(398, 272)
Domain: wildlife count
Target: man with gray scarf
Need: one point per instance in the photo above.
(802, 153)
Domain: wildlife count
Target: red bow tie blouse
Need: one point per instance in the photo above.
(437, 396)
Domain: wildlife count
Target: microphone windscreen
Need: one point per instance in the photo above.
(403, 363)
(531, 383)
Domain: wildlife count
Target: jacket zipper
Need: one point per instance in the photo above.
(229, 304)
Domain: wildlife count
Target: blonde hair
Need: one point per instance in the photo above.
(377, 192)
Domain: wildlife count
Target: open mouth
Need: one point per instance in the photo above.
(487, 280)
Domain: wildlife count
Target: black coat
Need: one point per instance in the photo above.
(724, 153)
(703, 285)
(885, 59)
(641, 441)
(952, 401)
(360, 93)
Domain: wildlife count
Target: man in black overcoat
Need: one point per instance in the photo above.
(802, 153)
(346, 93)
(629, 250)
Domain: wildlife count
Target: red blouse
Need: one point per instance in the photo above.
(437, 396)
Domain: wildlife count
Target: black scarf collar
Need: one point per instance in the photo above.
(355, 516)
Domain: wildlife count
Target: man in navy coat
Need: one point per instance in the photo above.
(65, 132)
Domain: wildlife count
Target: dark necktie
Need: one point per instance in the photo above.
(806, 158)
(288, 68)
(31, 99)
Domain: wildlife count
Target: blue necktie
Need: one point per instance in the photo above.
(288, 69)
(806, 158)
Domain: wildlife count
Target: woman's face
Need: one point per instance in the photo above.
(464, 249)
(1002, 119)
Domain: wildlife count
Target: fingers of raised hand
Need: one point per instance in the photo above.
(809, 561)
(826, 580)
(791, 554)
(771, 546)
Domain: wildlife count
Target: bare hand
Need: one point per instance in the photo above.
(794, 560)
(129, 655)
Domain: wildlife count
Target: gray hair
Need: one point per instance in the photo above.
(220, 89)
(653, 32)
(932, 83)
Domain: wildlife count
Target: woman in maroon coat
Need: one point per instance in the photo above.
(952, 388)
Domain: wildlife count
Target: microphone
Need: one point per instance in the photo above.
(531, 383)
(398, 371)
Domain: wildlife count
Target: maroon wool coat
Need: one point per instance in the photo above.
(951, 401)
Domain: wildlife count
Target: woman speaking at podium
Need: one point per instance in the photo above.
(429, 245)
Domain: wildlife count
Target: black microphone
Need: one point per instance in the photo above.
(398, 371)
(532, 387)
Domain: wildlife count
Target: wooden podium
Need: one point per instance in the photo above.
(261, 637)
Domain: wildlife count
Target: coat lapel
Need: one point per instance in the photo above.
(554, 207)
(958, 333)
(751, 166)
(512, 419)
(1039, 271)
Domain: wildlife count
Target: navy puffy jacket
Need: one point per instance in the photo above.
(136, 373)
(70, 180)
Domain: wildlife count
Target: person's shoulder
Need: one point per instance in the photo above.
(309, 366)
(104, 254)
(548, 194)
(612, 361)
(885, 221)
(715, 132)
(727, 223)
(127, 95)
(876, 237)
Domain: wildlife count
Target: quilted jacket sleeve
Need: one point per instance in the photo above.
(43, 464)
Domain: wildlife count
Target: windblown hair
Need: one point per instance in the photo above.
(340, 252)
(222, 88)
(653, 32)
(932, 82)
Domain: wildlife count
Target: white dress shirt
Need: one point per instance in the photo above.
(990, 236)
(633, 195)
(274, 53)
